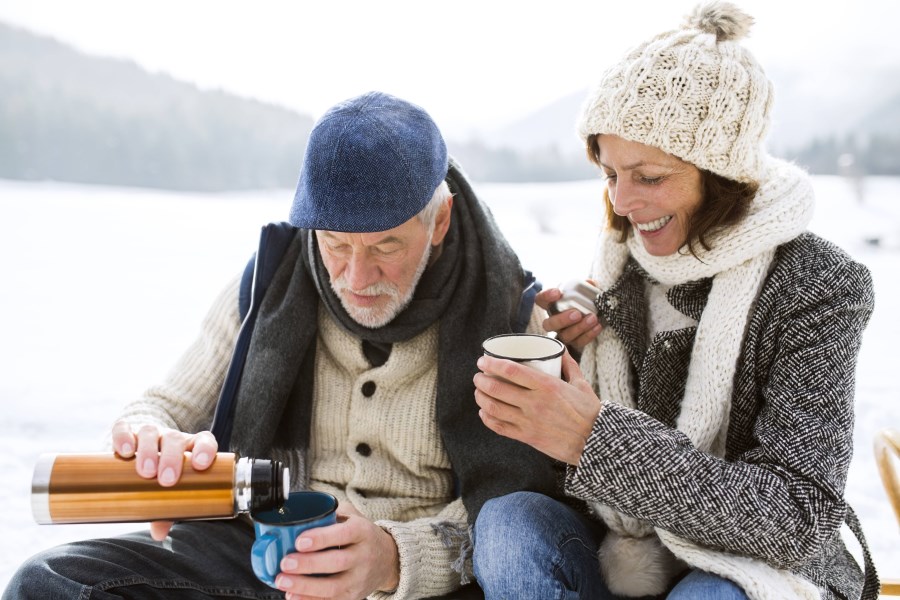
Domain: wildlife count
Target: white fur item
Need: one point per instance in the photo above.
(634, 566)
(724, 19)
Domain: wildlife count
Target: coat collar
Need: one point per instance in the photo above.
(624, 307)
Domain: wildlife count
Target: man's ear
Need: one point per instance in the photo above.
(442, 222)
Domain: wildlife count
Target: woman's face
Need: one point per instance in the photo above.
(655, 191)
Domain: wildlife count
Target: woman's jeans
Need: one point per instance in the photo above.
(529, 546)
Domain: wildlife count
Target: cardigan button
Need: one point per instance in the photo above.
(364, 449)
(368, 388)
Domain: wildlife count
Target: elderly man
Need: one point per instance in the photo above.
(347, 350)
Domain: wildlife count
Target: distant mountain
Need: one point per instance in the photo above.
(817, 117)
(542, 146)
(68, 116)
(552, 126)
(72, 117)
(815, 105)
(884, 118)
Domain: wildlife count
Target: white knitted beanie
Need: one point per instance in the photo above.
(694, 92)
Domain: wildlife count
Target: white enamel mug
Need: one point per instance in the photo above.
(539, 352)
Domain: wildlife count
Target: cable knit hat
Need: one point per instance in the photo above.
(372, 163)
(694, 92)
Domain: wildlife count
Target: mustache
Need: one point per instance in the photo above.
(376, 289)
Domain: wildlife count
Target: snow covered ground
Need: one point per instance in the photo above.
(102, 288)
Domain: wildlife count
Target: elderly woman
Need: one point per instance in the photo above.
(709, 424)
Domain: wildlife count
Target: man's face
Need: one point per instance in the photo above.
(375, 274)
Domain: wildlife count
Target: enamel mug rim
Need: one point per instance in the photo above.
(496, 354)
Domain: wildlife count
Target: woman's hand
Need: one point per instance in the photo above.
(159, 453)
(553, 415)
(572, 328)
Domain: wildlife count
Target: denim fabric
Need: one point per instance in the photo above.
(698, 585)
(200, 560)
(528, 545)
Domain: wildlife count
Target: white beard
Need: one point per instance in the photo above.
(375, 317)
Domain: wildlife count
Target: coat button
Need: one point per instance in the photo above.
(368, 388)
(364, 449)
(612, 302)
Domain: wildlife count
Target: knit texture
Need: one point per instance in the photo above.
(474, 288)
(738, 260)
(186, 399)
(739, 263)
(777, 495)
(383, 452)
(694, 92)
(404, 485)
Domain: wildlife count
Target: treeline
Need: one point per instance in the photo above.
(852, 155)
(69, 117)
(66, 116)
(483, 163)
(185, 147)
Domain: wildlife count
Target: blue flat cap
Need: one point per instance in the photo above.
(372, 163)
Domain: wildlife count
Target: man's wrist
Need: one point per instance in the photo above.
(392, 581)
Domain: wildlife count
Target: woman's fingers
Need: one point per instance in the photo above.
(547, 297)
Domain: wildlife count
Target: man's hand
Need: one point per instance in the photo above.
(353, 558)
(159, 453)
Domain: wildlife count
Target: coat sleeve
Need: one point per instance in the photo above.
(186, 399)
(780, 498)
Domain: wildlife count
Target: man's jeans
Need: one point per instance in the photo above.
(529, 546)
(201, 559)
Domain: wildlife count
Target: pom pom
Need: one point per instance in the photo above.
(724, 19)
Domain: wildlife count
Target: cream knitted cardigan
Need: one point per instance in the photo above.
(404, 485)
(738, 262)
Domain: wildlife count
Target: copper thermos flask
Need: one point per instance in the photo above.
(105, 488)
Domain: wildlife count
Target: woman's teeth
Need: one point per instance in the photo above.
(653, 225)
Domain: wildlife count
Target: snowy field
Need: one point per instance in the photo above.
(104, 287)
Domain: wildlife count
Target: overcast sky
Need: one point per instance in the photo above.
(473, 64)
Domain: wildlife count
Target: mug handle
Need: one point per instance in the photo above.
(259, 554)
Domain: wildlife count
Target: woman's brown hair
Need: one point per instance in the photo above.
(725, 202)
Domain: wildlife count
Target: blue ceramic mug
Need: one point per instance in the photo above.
(277, 529)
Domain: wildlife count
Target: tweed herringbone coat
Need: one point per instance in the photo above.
(778, 493)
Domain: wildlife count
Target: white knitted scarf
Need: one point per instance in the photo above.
(738, 262)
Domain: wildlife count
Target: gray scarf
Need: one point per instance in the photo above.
(473, 289)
